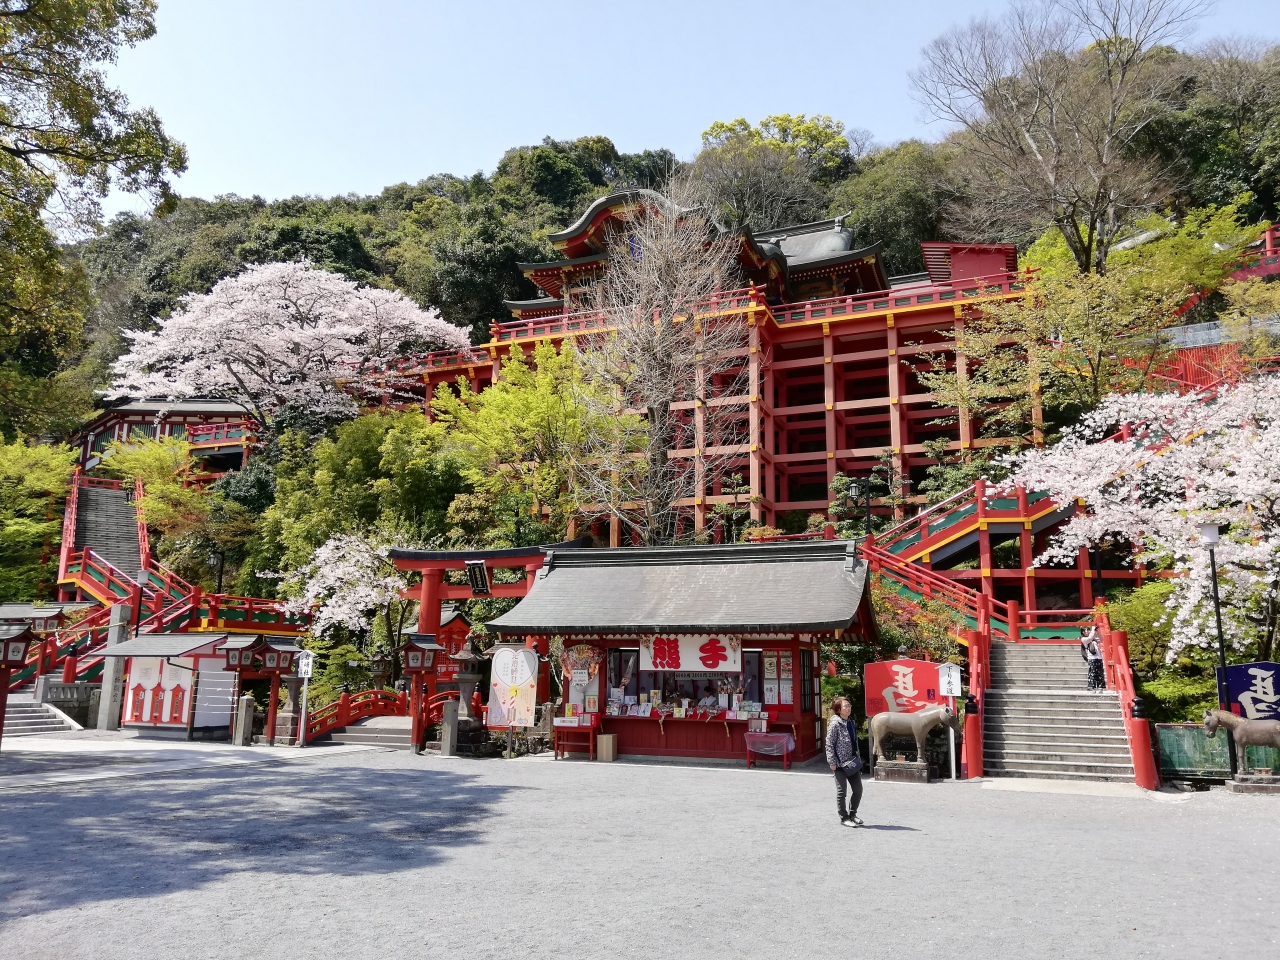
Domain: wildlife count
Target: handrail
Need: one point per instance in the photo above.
(50, 652)
(144, 537)
(350, 707)
(211, 433)
(251, 611)
(1119, 674)
(950, 291)
(433, 709)
(112, 579)
(69, 524)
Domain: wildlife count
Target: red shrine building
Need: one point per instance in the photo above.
(831, 381)
(704, 651)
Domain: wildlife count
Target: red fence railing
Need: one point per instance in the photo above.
(350, 707)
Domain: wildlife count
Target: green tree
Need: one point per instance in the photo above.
(65, 137)
(897, 197)
(517, 439)
(381, 470)
(34, 481)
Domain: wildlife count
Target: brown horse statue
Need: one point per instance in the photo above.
(1259, 733)
(915, 725)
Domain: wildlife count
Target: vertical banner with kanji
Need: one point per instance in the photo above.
(513, 687)
(694, 653)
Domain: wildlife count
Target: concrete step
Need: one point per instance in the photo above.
(1072, 741)
(1052, 772)
(1050, 712)
(1061, 752)
(392, 738)
(1076, 765)
(28, 719)
(1023, 727)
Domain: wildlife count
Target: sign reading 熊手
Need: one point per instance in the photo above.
(700, 652)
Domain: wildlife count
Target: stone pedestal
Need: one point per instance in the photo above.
(242, 729)
(111, 703)
(902, 771)
(289, 716)
(1253, 783)
(449, 730)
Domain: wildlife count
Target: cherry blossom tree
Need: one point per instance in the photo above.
(349, 582)
(277, 336)
(1186, 461)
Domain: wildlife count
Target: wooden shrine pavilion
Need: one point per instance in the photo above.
(685, 650)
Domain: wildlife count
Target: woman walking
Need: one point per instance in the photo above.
(842, 757)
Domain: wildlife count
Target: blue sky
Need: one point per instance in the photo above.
(287, 97)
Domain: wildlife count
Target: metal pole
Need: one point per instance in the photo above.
(302, 721)
(867, 487)
(951, 741)
(1222, 660)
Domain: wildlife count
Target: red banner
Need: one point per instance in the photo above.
(900, 686)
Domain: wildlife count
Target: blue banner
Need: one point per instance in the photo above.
(1250, 690)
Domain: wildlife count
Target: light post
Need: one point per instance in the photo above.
(1209, 536)
(863, 487)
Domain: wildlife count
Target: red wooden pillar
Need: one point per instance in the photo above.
(5, 673)
(1086, 579)
(69, 667)
(984, 537)
(271, 709)
(829, 402)
(1015, 621)
(429, 607)
(754, 407)
(1026, 552)
(416, 710)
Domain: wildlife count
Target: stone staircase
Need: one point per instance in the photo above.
(392, 732)
(1041, 721)
(107, 523)
(24, 717)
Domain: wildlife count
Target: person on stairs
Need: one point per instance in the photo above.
(1091, 653)
(842, 757)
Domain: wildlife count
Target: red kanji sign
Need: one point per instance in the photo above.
(692, 652)
(666, 653)
(712, 653)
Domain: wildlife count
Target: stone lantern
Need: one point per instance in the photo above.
(15, 640)
(380, 667)
(470, 729)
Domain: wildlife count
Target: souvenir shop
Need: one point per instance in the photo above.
(689, 651)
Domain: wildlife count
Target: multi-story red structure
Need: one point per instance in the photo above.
(832, 369)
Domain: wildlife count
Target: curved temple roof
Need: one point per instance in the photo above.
(743, 588)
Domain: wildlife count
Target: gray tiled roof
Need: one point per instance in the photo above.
(163, 644)
(28, 611)
(10, 630)
(745, 588)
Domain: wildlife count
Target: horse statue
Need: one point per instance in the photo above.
(916, 725)
(1259, 733)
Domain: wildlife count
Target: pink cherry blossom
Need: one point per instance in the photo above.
(1188, 461)
(275, 335)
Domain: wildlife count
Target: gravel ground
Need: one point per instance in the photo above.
(383, 855)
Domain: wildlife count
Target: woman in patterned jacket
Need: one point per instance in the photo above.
(843, 759)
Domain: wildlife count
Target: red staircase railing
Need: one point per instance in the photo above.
(1115, 658)
(350, 707)
(77, 639)
(433, 709)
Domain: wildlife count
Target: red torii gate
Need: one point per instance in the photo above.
(433, 590)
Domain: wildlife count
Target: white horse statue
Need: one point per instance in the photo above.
(915, 725)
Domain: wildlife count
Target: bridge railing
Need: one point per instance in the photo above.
(350, 707)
